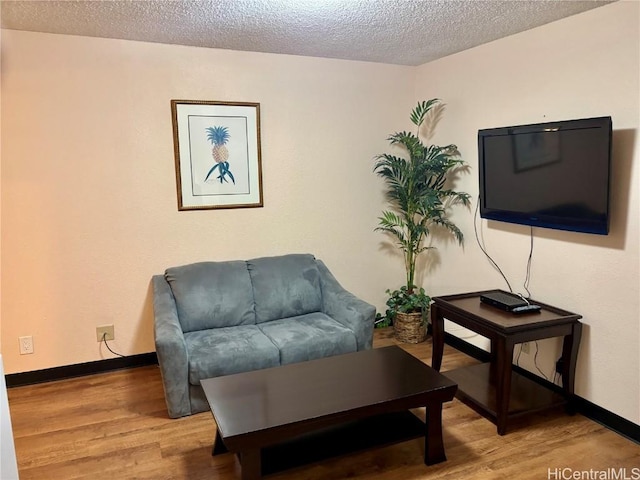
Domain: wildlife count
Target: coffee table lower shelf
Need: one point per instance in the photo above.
(476, 389)
(338, 440)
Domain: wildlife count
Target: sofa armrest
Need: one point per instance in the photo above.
(170, 349)
(346, 308)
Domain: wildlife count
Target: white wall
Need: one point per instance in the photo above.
(583, 66)
(89, 208)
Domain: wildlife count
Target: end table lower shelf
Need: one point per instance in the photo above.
(477, 389)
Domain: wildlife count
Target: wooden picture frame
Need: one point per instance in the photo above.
(218, 158)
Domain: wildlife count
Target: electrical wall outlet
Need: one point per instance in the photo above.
(26, 345)
(525, 348)
(105, 329)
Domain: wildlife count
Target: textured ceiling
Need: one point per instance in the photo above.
(405, 32)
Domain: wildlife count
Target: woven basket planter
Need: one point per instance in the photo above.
(409, 327)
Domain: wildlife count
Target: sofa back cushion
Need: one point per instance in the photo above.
(285, 286)
(212, 295)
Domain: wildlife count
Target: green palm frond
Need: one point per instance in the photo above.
(409, 141)
(421, 110)
(451, 227)
(456, 198)
(391, 220)
(395, 226)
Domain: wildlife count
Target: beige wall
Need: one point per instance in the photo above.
(89, 202)
(89, 209)
(584, 66)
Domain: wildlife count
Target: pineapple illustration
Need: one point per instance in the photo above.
(219, 136)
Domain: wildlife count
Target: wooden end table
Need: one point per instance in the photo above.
(493, 389)
(326, 407)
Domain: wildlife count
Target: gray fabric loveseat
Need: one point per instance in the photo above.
(220, 318)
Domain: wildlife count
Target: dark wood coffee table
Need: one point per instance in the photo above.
(285, 416)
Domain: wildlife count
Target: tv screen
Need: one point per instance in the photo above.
(552, 175)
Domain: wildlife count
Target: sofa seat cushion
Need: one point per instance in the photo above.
(310, 336)
(224, 351)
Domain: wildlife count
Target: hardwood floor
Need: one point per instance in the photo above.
(115, 426)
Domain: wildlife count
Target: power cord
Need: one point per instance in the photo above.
(528, 275)
(104, 339)
(475, 229)
(535, 362)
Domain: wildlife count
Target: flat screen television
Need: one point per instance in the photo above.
(551, 175)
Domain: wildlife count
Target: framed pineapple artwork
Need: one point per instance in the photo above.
(217, 154)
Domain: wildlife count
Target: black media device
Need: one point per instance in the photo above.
(552, 175)
(503, 300)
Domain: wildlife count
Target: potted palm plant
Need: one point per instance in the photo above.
(420, 196)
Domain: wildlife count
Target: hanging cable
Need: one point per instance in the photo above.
(495, 265)
(535, 362)
(528, 275)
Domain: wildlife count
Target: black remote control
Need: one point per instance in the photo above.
(530, 308)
